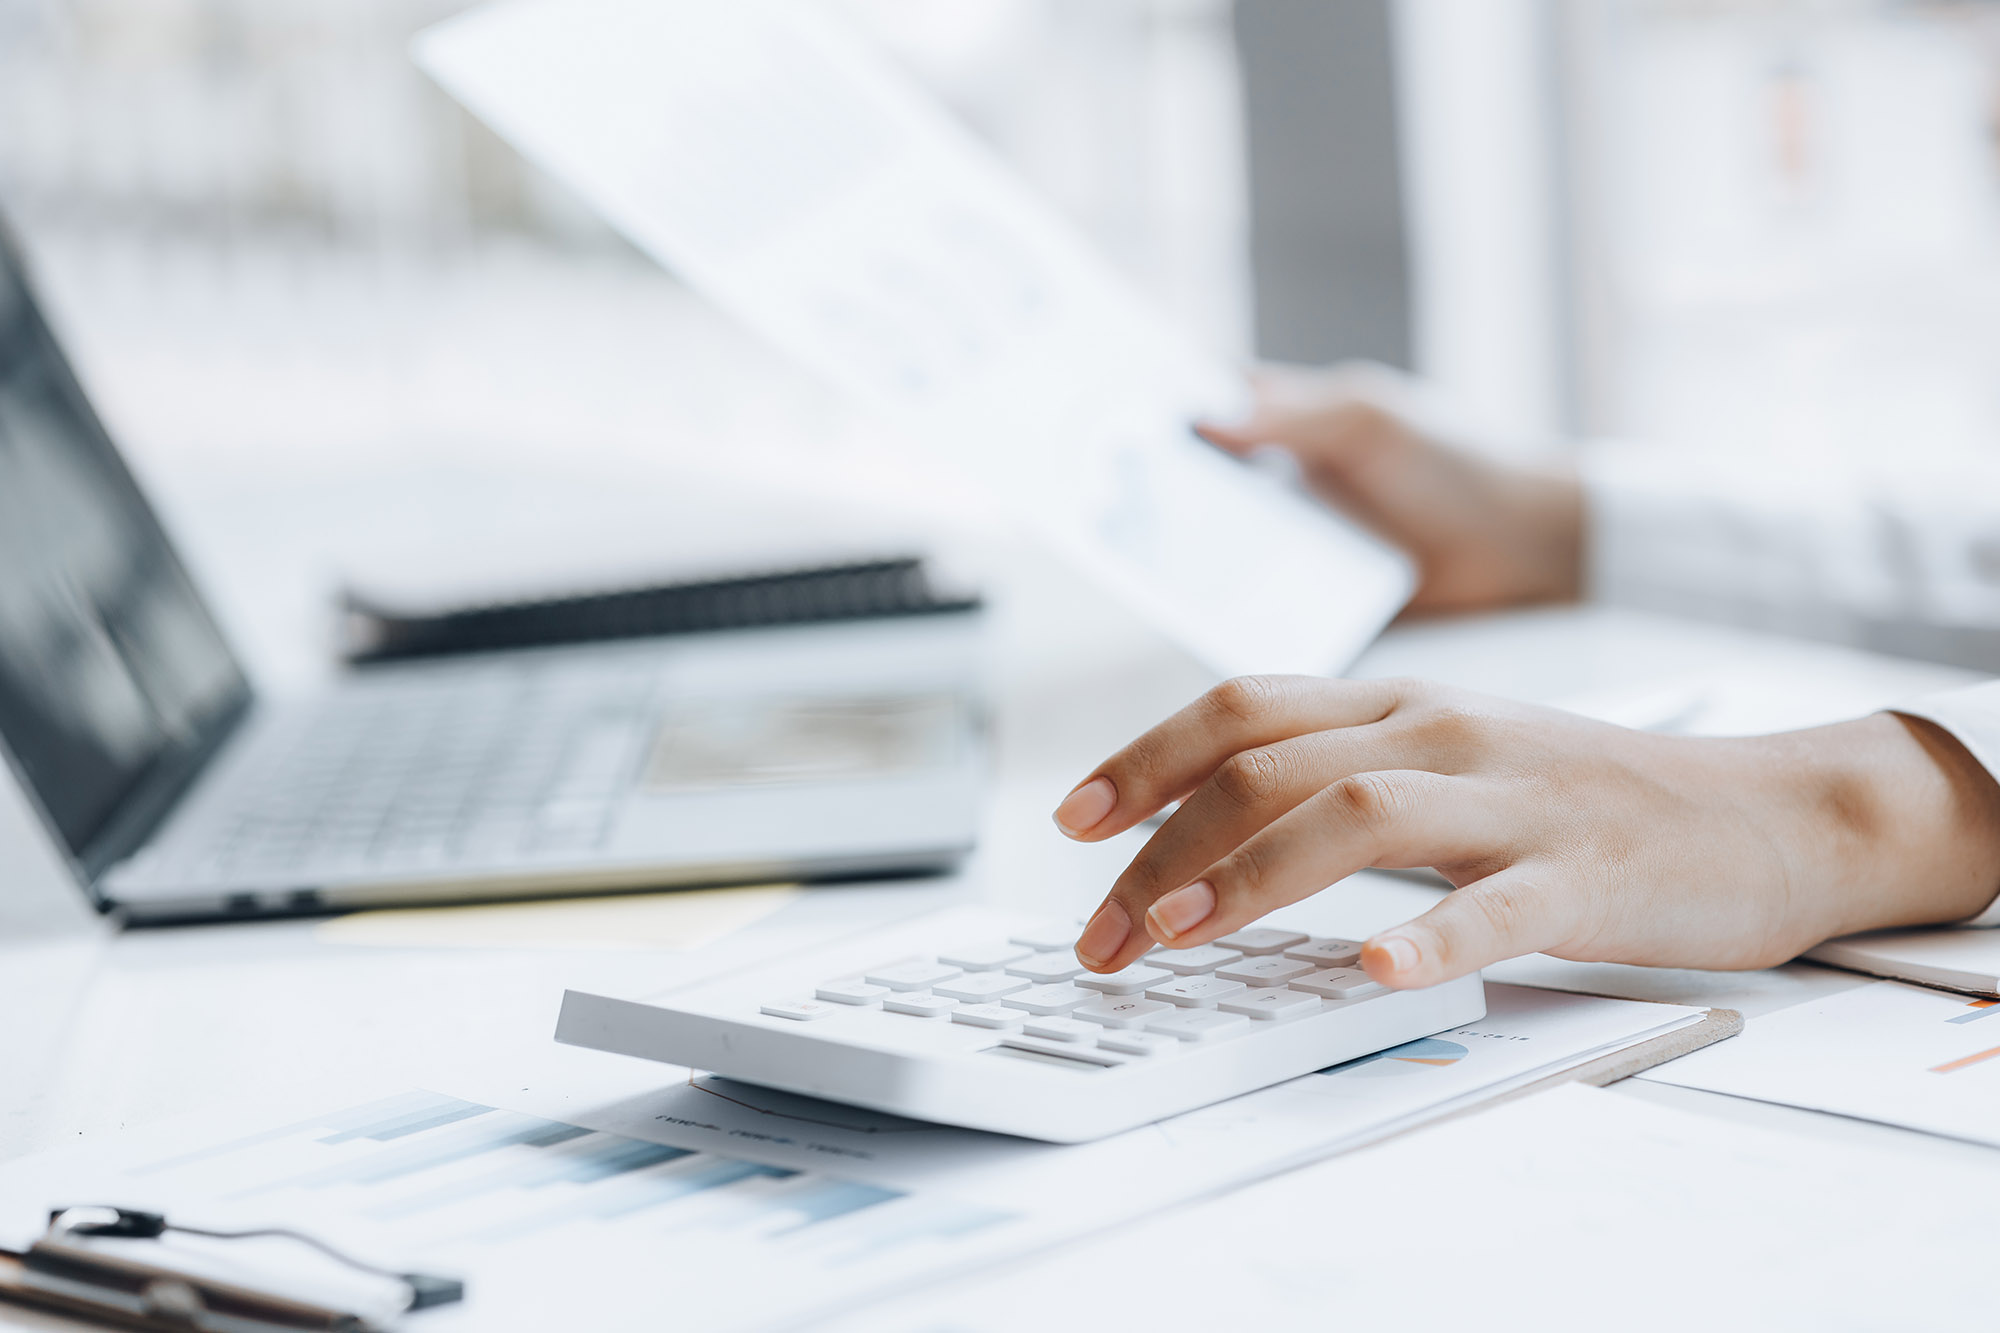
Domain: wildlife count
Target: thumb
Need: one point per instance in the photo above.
(1488, 921)
(1267, 417)
(1245, 434)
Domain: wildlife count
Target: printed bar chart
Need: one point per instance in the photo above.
(464, 1176)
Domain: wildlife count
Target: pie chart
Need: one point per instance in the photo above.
(1409, 1058)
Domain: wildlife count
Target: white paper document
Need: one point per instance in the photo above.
(1575, 1209)
(722, 1205)
(1967, 960)
(1903, 1055)
(805, 185)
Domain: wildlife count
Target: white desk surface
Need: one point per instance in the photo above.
(99, 1032)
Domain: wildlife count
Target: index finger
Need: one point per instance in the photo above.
(1178, 755)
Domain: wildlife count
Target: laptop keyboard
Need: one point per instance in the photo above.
(441, 770)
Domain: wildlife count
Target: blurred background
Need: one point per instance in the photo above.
(297, 277)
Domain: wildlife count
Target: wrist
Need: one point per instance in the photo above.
(1552, 527)
(1902, 823)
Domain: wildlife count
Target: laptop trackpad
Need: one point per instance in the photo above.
(728, 743)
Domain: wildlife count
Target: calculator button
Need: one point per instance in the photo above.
(1261, 940)
(1195, 992)
(1193, 962)
(1269, 1005)
(851, 992)
(980, 987)
(1268, 971)
(1198, 1024)
(1046, 967)
(911, 976)
(1121, 1011)
(802, 1010)
(988, 1016)
(1138, 1043)
(1126, 980)
(1327, 953)
(1048, 936)
(922, 1006)
(1338, 983)
(1063, 1029)
(984, 957)
(1049, 999)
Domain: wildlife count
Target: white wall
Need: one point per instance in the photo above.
(1477, 82)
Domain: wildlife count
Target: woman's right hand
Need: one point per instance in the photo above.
(1564, 835)
(1483, 533)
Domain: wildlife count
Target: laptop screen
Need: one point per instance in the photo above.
(113, 678)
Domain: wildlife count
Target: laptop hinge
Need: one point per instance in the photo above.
(154, 796)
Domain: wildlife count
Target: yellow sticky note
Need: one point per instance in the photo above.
(685, 919)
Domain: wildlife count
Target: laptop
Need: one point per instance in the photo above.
(177, 792)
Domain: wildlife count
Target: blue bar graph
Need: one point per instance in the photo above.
(425, 1155)
(636, 1196)
(418, 1159)
(389, 1111)
(416, 1122)
(825, 1200)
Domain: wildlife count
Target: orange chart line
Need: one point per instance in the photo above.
(1950, 1066)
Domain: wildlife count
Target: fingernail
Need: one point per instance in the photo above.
(1182, 910)
(1085, 808)
(1221, 434)
(1397, 953)
(1105, 935)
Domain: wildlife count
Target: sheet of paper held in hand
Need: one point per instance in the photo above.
(574, 1191)
(806, 186)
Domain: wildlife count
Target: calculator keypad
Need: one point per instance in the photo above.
(921, 1005)
(981, 987)
(1030, 992)
(1260, 940)
(1131, 980)
(1327, 953)
(1056, 999)
(1193, 962)
(1270, 970)
(911, 976)
(1046, 967)
(1195, 992)
(1122, 1011)
(852, 992)
(996, 1016)
(989, 957)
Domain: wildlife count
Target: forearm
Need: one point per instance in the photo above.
(1908, 561)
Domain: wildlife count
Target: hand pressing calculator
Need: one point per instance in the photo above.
(973, 1018)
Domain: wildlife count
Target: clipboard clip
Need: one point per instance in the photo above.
(63, 1271)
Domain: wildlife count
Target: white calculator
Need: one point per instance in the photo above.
(969, 1017)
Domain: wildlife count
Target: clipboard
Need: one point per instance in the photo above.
(1714, 1025)
(246, 1309)
(71, 1273)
